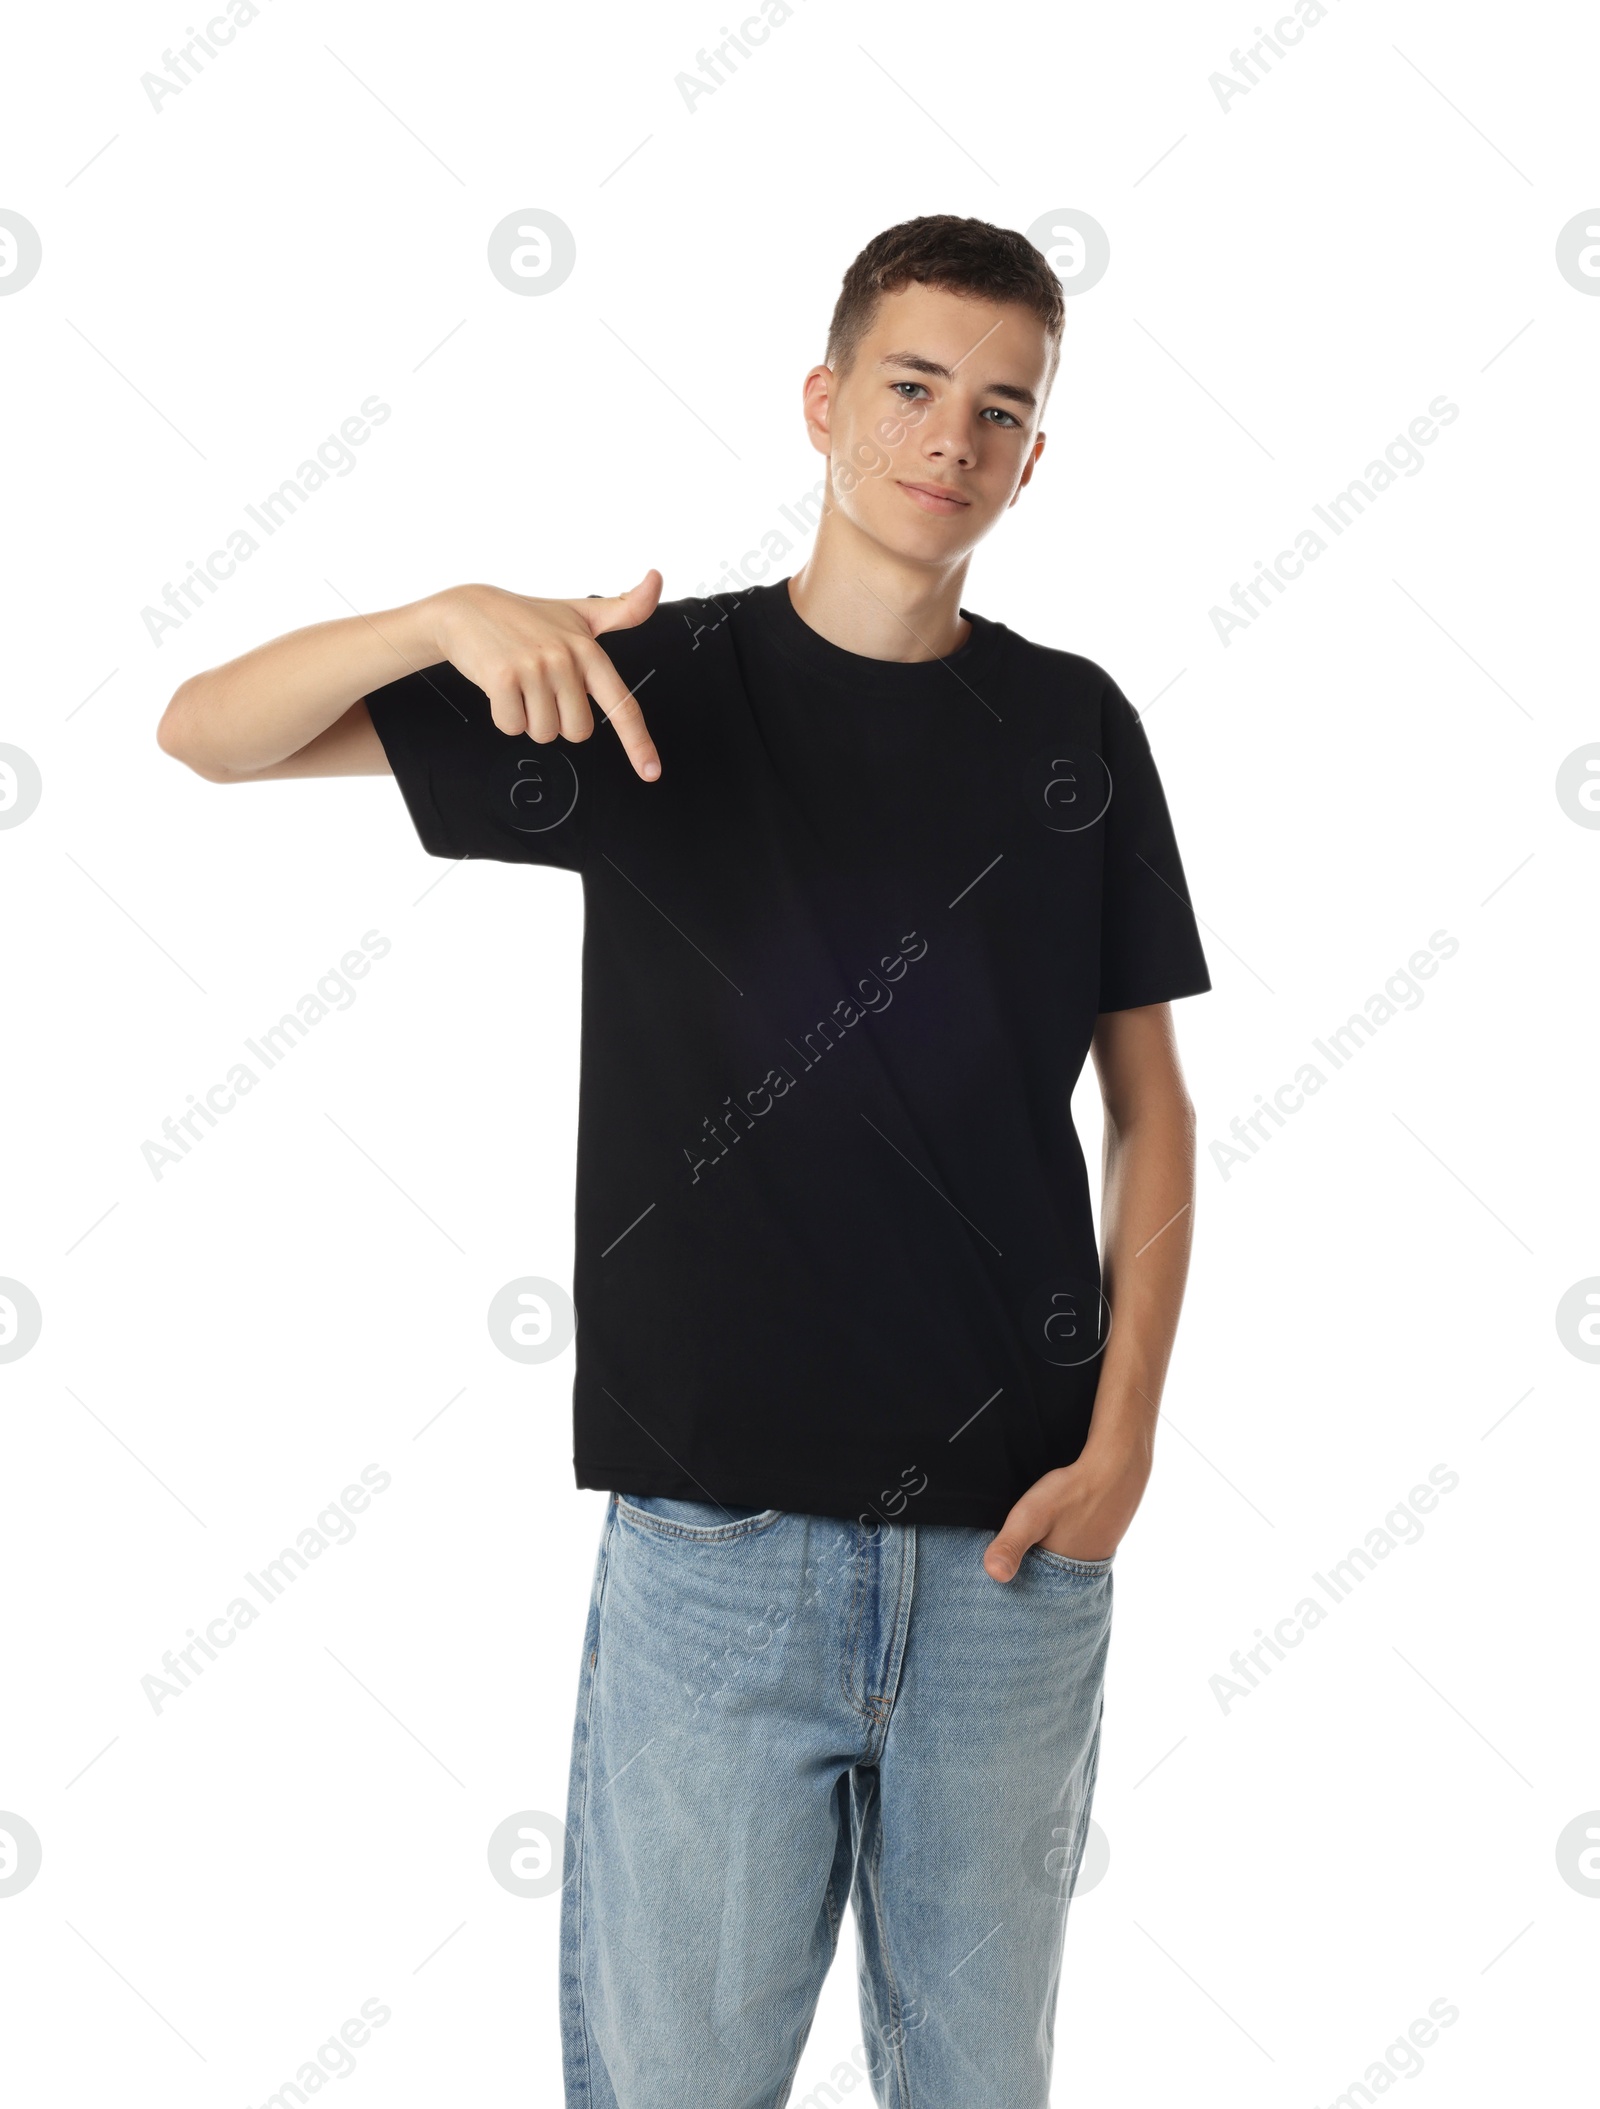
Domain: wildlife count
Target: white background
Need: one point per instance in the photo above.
(1292, 1881)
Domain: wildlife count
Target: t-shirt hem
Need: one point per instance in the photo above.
(1135, 998)
(975, 1511)
(415, 779)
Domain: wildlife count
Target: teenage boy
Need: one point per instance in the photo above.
(866, 876)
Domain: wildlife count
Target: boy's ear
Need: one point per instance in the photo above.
(1027, 468)
(817, 405)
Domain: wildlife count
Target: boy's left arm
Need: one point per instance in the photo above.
(1147, 1209)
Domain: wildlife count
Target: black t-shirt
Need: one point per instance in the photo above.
(841, 965)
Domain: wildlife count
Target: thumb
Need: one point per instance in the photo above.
(1025, 1526)
(621, 611)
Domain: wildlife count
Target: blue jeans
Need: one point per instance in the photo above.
(780, 1713)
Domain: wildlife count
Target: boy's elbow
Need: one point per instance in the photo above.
(1175, 1108)
(169, 731)
(173, 733)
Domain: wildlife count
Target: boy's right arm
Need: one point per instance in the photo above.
(295, 707)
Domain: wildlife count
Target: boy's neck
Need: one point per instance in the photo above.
(865, 599)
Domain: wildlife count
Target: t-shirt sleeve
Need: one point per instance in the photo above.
(473, 790)
(1150, 949)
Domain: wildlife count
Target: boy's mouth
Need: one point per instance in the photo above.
(934, 497)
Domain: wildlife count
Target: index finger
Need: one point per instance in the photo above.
(615, 703)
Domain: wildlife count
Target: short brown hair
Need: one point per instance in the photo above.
(964, 256)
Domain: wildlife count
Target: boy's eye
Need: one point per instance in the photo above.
(991, 410)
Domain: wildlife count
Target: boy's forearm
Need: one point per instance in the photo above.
(1147, 1220)
(265, 705)
(1083, 1509)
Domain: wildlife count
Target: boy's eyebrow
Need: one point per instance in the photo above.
(919, 364)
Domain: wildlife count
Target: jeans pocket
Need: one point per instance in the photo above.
(1063, 1563)
(702, 1522)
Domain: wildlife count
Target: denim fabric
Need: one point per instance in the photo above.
(782, 1713)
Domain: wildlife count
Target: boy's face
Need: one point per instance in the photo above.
(944, 394)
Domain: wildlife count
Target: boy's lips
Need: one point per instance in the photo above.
(934, 497)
